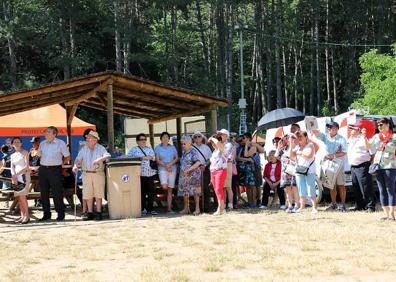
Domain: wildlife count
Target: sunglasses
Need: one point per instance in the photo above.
(380, 124)
(197, 136)
(142, 140)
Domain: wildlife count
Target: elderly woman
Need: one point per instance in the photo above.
(218, 170)
(20, 173)
(190, 176)
(167, 158)
(385, 144)
(304, 155)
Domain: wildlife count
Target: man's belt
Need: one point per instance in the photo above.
(51, 166)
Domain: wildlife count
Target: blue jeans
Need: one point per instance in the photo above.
(386, 186)
(306, 185)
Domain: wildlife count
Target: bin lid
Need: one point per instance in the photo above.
(123, 161)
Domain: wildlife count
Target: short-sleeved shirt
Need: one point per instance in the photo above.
(88, 156)
(145, 169)
(385, 158)
(166, 155)
(303, 161)
(357, 151)
(51, 154)
(206, 152)
(218, 161)
(333, 144)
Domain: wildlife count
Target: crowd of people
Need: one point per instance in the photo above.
(223, 165)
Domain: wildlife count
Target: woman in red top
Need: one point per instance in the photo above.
(272, 177)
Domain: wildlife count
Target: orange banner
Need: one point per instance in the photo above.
(40, 131)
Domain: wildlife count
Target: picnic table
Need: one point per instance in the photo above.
(34, 190)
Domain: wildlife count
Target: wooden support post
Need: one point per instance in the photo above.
(213, 120)
(110, 119)
(70, 112)
(178, 133)
(151, 132)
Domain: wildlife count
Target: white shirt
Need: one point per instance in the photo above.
(301, 160)
(52, 153)
(88, 156)
(272, 172)
(206, 152)
(357, 151)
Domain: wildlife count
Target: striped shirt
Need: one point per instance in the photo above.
(145, 169)
(52, 153)
(87, 157)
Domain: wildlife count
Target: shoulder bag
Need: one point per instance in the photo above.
(153, 164)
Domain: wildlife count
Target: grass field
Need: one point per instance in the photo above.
(245, 246)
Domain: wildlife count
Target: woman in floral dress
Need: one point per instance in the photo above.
(190, 176)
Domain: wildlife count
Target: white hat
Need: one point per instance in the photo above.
(197, 132)
(224, 131)
(93, 134)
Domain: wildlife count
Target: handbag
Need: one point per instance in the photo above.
(375, 167)
(153, 164)
(303, 170)
(290, 168)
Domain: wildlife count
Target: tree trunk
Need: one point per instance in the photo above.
(10, 44)
(335, 95)
(318, 90)
(72, 52)
(284, 64)
(229, 62)
(174, 40)
(221, 33)
(205, 51)
(117, 36)
(327, 55)
(65, 49)
(279, 98)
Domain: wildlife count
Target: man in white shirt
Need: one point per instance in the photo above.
(359, 158)
(204, 154)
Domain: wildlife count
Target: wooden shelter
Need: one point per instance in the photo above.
(115, 93)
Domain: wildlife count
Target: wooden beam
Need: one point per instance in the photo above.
(213, 120)
(60, 86)
(110, 119)
(70, 112)
(154, 99)
(117, 107)
(37, 104)
(151, 133)
(150, 87)
(92, 93)
(183, 114)
(178, 134)
(70, 94)
(116, 111)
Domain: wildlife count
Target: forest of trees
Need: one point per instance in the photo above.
(298, 53)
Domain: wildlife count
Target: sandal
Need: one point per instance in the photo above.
(19, 220)
(197, 212)
(184, 212)
(384, 218)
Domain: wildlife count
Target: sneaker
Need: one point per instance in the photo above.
(98, 216)
(282, 207)
(153, 212)
(295, 209)
(171, 212)
(230, 206)
(332, 206)
(299, 210)
(263, 207)
(341, 208)
(144, 212)
(314, 210)
(289, 210)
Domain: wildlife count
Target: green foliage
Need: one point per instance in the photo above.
(378, 79)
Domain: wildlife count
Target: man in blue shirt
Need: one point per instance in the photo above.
(336, 147)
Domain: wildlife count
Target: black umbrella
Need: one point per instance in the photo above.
(279, 117)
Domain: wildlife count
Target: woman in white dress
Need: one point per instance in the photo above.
(20, 173)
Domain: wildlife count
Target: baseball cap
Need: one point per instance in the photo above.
(356, 125)
(332, 124)
(224, 131)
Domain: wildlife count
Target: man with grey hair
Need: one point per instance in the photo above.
(204, 154)
(53, 152)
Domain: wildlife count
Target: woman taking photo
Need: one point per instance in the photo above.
(385, 144)
(20, 173)
(166, 157)
(304, 155)
(218, 170)
(190, 176)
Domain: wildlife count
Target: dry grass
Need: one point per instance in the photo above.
(260, 246)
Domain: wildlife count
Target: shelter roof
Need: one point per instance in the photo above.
(132, 96)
